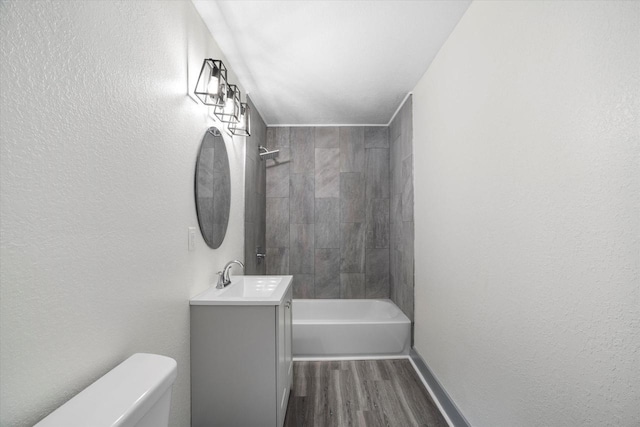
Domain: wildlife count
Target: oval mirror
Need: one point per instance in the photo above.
(213, 188)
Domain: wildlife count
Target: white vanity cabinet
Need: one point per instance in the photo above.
(241, 365)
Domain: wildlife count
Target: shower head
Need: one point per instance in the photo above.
(266, 154)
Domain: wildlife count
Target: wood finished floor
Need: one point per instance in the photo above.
(362, 393)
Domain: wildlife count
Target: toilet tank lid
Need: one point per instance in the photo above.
(119, 398)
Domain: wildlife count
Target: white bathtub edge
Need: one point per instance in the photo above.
(338, 358)
(333, 329)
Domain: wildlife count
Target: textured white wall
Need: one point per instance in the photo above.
(99, 143)
(527, 198)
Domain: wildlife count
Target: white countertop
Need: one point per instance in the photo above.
(246, 290)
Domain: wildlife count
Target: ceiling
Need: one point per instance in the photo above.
(329, 62)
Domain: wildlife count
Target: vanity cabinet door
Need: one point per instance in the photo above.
(233, 366)
(285, 363)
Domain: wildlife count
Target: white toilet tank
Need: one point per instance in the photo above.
(136, 393)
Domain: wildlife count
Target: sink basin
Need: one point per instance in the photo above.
(251, 287)
(246, 290)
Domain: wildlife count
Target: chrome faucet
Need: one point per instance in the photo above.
(223, 276)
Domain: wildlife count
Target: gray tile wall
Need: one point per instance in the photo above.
(255, 197)
(401, 210)
(327, 210)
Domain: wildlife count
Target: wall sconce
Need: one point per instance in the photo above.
(230, 111)
(214, 90)
(212, 86)
(243, 126)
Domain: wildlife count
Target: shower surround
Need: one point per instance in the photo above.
(328, 210)
(401, 268)
(339, 214)
(254, 196)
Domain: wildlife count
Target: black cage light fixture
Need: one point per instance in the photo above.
(230, 111)
(243, 126)
(212, 85)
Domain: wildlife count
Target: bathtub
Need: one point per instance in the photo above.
(349, 329)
